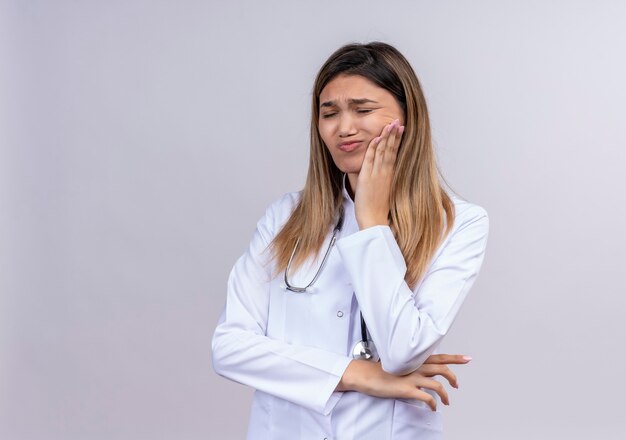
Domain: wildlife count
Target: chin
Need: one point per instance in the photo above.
(353, 165)
(349, 168)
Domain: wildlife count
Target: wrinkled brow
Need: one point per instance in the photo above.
(354, 101)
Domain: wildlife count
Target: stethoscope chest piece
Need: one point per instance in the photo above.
(365, 350)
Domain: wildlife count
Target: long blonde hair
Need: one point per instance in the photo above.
(421, 212)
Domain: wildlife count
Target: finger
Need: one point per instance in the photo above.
(379, 158)
(426, 398)
(380, 148)
(448, 359)
(391, 150)
(430, 370)
(387, 143)
(400, 133)
(393, 133)
(435, 386)
(368, 160)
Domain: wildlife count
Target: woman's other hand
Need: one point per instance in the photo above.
(373, 189)
(369, 378)
(437, 365)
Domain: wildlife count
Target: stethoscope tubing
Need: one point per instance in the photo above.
(364, 349)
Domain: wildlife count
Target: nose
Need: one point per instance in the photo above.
(347, 126)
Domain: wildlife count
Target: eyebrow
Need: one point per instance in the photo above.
(356, 101)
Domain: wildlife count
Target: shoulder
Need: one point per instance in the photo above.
(468, 236)
(281, 208)
(467, 213)
(470, 226)
(279, 211)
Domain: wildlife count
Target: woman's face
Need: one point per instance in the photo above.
(353, 111)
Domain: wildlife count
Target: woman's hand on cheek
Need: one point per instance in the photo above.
(373, 189)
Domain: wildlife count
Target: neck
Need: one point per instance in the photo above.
(351, 184)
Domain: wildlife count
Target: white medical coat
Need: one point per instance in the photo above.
(294, 347)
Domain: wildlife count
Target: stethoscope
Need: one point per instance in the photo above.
(364, 349)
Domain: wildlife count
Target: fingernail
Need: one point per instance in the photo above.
(390, 128)
(377, 139)
(401, 130)
(467, 358)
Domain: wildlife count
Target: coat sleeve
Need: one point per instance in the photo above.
(242, 352)
(406, 326)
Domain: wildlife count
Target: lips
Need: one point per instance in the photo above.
(349, 146)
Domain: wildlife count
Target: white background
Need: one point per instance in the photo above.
(140, 141)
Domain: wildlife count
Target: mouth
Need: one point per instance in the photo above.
(349, 146)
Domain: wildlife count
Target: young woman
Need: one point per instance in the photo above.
(348, 286)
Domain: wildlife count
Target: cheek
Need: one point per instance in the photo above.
(376, 124)
(325, 133)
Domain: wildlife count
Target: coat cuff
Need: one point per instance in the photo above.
(330, 397)
(379, 243)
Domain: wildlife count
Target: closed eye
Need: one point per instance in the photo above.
(328, 115)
